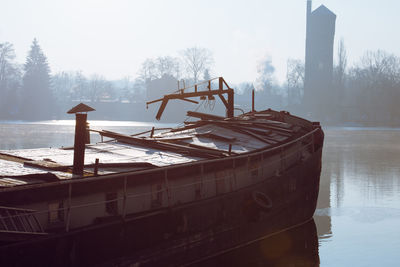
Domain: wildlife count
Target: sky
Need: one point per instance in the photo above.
(113, 38)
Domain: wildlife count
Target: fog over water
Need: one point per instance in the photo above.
(19, 134)
(358, 212)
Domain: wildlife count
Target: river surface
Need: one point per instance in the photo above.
(357, 220)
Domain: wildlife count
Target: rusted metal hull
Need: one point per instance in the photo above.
(184, 233)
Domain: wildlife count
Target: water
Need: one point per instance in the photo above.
(19, 134)
(358, 215)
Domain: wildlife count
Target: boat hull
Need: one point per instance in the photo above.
(184, 233)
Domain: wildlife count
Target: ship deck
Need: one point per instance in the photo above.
(209, 137)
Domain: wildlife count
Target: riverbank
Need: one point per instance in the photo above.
(176, 113)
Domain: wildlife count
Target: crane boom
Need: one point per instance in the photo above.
(182, 95)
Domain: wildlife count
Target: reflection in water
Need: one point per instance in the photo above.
(363, 167)
(360, 198)
(295, 247)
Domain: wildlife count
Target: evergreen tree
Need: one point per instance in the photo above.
(37, 96)
(206, 75)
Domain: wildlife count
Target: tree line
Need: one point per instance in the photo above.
(365, 93)
(24, 89)
(30, 92)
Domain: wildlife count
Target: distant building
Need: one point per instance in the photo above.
(157, 88)
(319, 60)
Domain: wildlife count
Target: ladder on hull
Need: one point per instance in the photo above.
(19, 224)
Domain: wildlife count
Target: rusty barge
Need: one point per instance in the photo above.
(169, 196)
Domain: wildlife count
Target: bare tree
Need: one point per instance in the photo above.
(265, 76)
(7, 56)
(62, 84)
(381, 64)
(269, 92)
(8, 68)
(167, 66)
(80, 89)
(148, 71)
(96, 86)
(339, 74)
(196, 60)
(340, 69)
(374, 87)
(295, 80)
(10, 79)
(156, 68)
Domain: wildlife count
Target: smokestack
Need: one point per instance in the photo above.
(80, 112)
(79, 144)
(307, 52)
(309, 7)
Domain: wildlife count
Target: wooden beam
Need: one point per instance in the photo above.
(183, 96)
(46, 165)
(13, 158)
(252, 101)
(162, 107)
(224, 101)
(281, 130)
(204, 116)
(230, 108)
(220, 83)
(195, 94)
(208, 148)
(244, 128)
(216, 137)
(163, 145)
(256, 136)
(223, 80)
(189, 100)
(195, 124)
(123, 165)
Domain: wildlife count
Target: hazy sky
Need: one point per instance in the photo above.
(113, 38)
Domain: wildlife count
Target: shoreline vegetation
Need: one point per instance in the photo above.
(364, 94)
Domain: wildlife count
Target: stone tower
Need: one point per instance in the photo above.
(320, 33)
